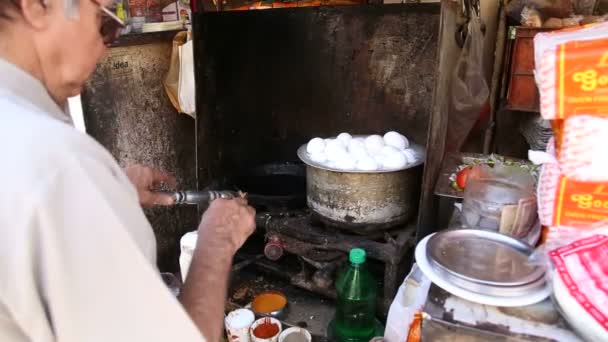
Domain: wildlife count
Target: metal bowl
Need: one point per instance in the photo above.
(362, 201)
(281, 313)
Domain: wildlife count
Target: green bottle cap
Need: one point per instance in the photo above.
(357, 256)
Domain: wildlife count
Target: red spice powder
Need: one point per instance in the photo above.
(266, 330)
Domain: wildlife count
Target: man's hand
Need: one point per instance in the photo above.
(226, 225)
(146, 180)
(223, 230)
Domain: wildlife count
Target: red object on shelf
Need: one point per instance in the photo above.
(522, 92)
(461, 177)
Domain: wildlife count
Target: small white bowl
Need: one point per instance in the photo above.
(239, 333)
(295, 330)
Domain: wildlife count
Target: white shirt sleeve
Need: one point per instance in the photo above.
(88, 274)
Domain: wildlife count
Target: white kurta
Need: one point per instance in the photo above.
(77, 255)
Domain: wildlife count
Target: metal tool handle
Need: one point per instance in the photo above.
(200, 197)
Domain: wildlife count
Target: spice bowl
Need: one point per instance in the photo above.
(270, 304)
(266, 329)
(237, 324)
(295, 334)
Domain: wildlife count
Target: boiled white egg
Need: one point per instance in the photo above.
(319, 157)
(374, 144)
(394, 161)
(410, 155)
(357, 149)
(386, 150)
(379, 158)
(315, 145)
(367, 164)
(334, 150)
(330, 164)
(345, 138)
(346, 163)
(396, 140)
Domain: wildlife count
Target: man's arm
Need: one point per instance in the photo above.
(87, 248)
(224, 228)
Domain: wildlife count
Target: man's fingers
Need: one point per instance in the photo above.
(155, 199)
(162, 177)
(241, 200)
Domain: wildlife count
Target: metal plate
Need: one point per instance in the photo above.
(483, 257)
(303, 155)
(490, 290)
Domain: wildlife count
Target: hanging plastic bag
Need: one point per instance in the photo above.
(469, 88)
(186, 87)
(171, 81)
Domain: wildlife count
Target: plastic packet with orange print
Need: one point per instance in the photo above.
(572, 75)
(571, 71)
(582, 154)
(564, 201)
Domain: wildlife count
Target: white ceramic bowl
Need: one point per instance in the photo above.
(295, 330)
(239, 332)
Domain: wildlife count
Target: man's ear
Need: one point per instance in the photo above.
(37, 13)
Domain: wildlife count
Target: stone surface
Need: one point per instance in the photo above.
(127, 110)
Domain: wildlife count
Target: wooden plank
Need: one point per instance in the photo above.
(438, 125)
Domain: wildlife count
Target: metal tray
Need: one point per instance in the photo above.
(489, 290)
(484, 259)
(303, 155)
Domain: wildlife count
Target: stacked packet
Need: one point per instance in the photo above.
(571, 71)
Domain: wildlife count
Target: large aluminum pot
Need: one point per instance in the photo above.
(362, 201)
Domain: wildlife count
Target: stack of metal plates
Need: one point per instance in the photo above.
(484, 262)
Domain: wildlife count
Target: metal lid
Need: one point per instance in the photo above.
(483, 257)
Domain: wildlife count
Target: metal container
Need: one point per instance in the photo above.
(362, 201)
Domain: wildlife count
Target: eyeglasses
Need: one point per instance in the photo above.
(111, 25)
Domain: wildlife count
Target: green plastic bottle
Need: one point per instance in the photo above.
(355, 319)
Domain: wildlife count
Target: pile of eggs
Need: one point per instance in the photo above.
(371, 153)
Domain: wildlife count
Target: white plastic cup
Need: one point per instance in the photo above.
(260, 321)
(296, 331)
(187, 246)
(237, 325)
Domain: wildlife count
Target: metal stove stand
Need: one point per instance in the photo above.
(323, 250)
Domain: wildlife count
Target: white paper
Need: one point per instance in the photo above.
(186, 87)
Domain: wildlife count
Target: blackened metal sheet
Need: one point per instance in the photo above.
(270, 80)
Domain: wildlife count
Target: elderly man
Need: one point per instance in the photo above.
(77, 256)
